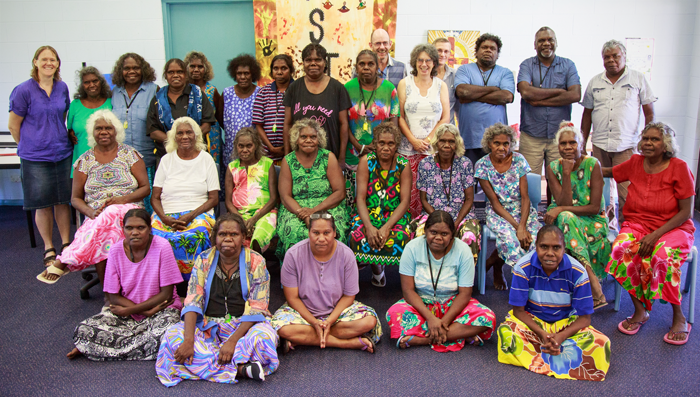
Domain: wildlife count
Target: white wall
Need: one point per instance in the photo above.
(98, 31)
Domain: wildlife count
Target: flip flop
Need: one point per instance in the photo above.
(476, 340)
(599, 305)
(285, 346)
(48, 260)
(670, 340)
(626, 331)
(379, 280)
(398, 342)
(366, 346)
(51, 270)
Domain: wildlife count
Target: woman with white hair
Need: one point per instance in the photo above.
(108, 180)
(578, 208)
(657, 234)
(185, 192)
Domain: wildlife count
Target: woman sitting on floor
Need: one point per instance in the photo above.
(657, 234)
(502, 174)
(578, 209)
(322, 311)
(380, 229)
(310, 181)
(139, 284)
(437, 309)
(446, 183)
(251, 189)
(185, 192)
(108, 180)
(548, 331)
(220, 340)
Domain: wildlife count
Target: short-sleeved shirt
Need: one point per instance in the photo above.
(186, 183)
(617, 109)
(136, 118)
(323, 107)
(139, 282)
(78, 116)
(652, 199)
(449, 79)
(321, 284)
(506, 185)
(457, 269)
(562, 294)
(543, 121)
(43, 133)
(475, 117)
(105, 181)
(268, 112)
(437, 183)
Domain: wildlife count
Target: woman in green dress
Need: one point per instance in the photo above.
(576, 182)
(310, 181)
(251, 189)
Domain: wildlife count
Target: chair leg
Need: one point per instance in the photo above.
(30, 227)
(690, 283)
(482, 260)
(618, 296)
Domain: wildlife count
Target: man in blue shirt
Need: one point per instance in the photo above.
(483, 90)
(548, 85)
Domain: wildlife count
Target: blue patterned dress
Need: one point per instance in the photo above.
(238, 113)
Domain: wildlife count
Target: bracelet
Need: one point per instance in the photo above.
(363, 149)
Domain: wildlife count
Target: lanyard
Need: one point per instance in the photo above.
(486, 81)
(277, 108)
(362, 96)
(430, 266)
(128, 105)
(224, 286)
(447, 188)
(539, 64)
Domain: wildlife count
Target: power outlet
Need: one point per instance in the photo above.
(15, 178)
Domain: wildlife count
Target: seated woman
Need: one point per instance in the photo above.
(578, 208)
(185, 192)
(380, 229)
(251, 189)
(310, 181)
(437, 309)
(322, 311)
(502, 175)
(446, 183)
(548, 331)
(219, 341)
(139, 284)
(108, 180)
(657, 234)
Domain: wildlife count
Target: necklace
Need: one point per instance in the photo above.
(226, 287)
(277, 107)
(365, 124)
(131, 250)
(430, 266)
(447, 189)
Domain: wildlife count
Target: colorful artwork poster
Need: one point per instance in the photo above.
(463, 42)
(265, 14)
(385, 18)
(640, 55)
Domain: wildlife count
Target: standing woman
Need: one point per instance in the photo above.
(37, 123)
(200, 74)
(424, 107)
(236, 105)
(93, 94)
(374, 100)
(268, 108)
(134, 89)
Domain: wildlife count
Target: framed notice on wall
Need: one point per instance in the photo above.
(640, 55)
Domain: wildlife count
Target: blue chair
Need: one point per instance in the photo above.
(534, 191)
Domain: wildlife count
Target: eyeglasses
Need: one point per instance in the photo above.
(321, 216)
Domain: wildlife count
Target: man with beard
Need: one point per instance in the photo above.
(389, 68)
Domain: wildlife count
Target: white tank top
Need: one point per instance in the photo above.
(421, 112)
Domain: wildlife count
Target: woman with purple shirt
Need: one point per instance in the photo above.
(37, 123)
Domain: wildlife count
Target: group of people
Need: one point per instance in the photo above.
(338, 177)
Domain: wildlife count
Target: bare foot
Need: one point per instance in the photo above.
(75, 353)
(499, 280)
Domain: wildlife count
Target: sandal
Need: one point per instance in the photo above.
(630, 323)
(379, 280)
(398, 342)
(668, 338)
(285, 346)
(598, 304)
(476, 340)
(51, 270)
(48, 260)
(366, 346)
(64, 246)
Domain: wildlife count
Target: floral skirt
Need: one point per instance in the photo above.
(350, 193)
(405, 320)
(106, 336)
(656, 277)
(285, 315)
(188, 243)
(586, 239)
(584, 356)
(259, 344)
(390, 254)
(265, 230)
(94, 238)
(507, 244)
(291, 229)
(415, 207)
(468, 231)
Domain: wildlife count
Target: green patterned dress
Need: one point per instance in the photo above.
(310, 186)
(586, 236)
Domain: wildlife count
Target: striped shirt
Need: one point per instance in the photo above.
(564, 293)
(268, 111)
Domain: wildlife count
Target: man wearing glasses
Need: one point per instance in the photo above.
(389, 68)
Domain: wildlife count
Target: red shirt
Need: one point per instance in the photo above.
(652, 199)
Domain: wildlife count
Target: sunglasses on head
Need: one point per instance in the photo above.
(320, 216)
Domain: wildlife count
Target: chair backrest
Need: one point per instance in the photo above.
(534, 189)
(606, 192)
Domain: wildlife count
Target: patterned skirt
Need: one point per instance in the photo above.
(584, 356)
(390, 254)
(291, 229)
(107, 336)
(350, 193)
(415, 207)
(259, 344)
(656, 277)
(507, 244)
(94, 238)
(188, 243)
(265, 230)
(586, 239)
(468, 231)
(404, 320)
(285, 315)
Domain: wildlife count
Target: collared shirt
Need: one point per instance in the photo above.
(475, 117)
(449, 79)
(43, 133)
(543, 121)
(394, 71)
(562, 294)
(136, 135)
(617, 109)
